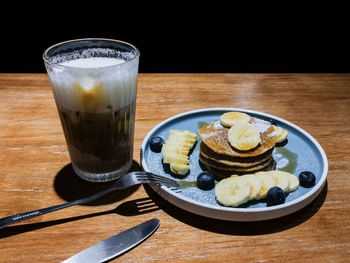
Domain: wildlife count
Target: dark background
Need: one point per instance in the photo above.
(180, 38)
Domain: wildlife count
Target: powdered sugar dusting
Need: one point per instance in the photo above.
(261, 125)
(217, 127)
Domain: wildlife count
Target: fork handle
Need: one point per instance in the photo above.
(23, 216)
(26, 215)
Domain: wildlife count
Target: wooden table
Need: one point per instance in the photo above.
(35, 172)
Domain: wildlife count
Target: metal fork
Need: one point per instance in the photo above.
(130, 179)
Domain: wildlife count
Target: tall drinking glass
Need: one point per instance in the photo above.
(94, 83)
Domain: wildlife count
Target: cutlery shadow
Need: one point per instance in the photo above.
(129, 208)
(71, 187)
(240, 228)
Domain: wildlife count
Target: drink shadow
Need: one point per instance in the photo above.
(69, 186)
(240, 228)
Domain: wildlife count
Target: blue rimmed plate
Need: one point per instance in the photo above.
(301, 153)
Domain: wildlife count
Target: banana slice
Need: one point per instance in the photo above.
(180, 169)
(282, 179)
(173, 138)
(175, 158)
(176, 148)
(243, 136)
(255, 185)
(293, 182)
(281, 134)
(232, 191)
(183, 133)
(230, 119)
(173, 144)
(267, 181)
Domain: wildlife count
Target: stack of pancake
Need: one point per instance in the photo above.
(223, 160)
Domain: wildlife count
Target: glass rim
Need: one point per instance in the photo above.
(46, 58)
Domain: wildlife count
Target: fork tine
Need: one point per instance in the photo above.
(151, 181)
(162, 179)
(159, 181)
(153, 176)
(145, 177)
(159, 177)
(166, 182)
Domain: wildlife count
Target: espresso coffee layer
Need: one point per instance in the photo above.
(99, 140)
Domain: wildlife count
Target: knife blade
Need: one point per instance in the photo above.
(116, 245)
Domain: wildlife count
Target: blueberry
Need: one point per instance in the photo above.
(307, 179)
(275, 196)
(156, 144)
(205, 181)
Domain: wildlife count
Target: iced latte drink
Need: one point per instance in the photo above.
(94, 84)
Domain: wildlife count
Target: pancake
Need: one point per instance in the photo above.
(224, 173)
(217, 154)
(223, 167)
(214, 136)
(234, 161)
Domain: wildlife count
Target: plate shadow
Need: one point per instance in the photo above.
(240, 228)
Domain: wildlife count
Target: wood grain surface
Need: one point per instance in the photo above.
(35, 172)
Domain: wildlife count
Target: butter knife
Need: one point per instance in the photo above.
(116, 245)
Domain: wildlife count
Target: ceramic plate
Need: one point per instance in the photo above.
(301, 153)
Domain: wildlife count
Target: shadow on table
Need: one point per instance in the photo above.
(129, 208)
(71, 187)
(240, 228)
